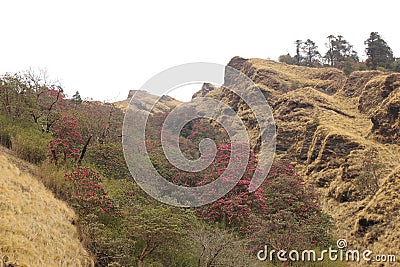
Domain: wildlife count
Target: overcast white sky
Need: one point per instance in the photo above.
(105, 48)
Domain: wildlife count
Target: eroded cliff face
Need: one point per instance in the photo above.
(343, 134)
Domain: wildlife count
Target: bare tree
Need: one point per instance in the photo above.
(219, 247)
(48, 99)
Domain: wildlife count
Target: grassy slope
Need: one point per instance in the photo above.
(35, 228)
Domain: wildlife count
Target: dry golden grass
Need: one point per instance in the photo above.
(381, 209)
(35, 228)
(292, 76)
(147, 100)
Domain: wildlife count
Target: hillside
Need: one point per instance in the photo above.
(164, 104)
(36, 229)
(342, 133)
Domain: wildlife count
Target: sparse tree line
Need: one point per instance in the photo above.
(32, 97)
(341, 54)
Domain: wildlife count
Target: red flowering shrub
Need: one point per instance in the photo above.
(88, 194)
(67, 139)
(291, 216)
(234, 208)
(283, 212)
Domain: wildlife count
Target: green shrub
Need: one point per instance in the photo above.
(108, 159)
(316, 121)
(5, 133)
(31, 146)
(395, 65)
(25, 139)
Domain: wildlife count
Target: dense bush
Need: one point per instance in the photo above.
(88, 194)
(148, 233)
(25, 139)
(67, 141)
(291, 216)
(284, 211)
(108, 159)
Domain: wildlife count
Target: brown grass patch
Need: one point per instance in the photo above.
(36, 229)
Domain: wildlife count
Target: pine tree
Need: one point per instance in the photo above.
(378, 52)
(312, 56)
(76, 98)
(298, 56)
(340, 52)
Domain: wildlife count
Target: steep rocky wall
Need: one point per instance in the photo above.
(377, 90)
(377, 95)
(386, 118)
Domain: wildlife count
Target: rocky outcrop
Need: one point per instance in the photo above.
(377, 90)
(377, 95)
(377, 225)
(205, 89)
(386, 117)
(356, 82)
(146, 102)
(387, 123)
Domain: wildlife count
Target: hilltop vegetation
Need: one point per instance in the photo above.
(341, 54)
